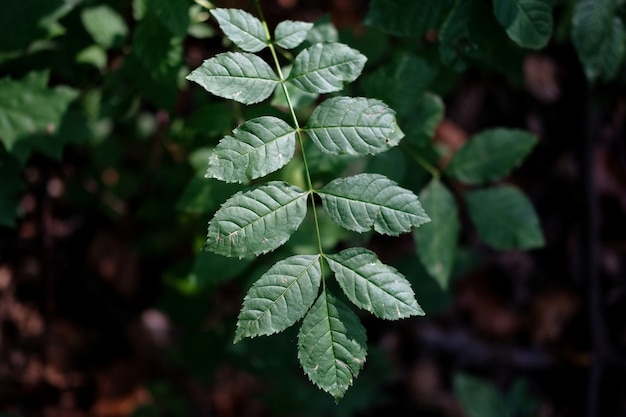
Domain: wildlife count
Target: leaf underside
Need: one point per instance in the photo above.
(280, 297)
(257, 147)
(238, 76)
(372, 285)
(365, 201)
(257, 221)
(353, 126)
(331, 345)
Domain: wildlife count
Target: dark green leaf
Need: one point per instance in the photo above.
(257, 147)
(367, 201)
(173, 14)
(505, 218)
(280, 297)
(290, 34)
(490, 155)
(326, 67)
(479, 398)
(437, 241)
(407, 17)
(242, 77)
(372, 285)
(331, 345)
(245, 30)
(423, 120)
(257, 221)
(527, 22)
(353, 126)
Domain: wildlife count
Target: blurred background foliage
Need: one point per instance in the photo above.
(109, 306)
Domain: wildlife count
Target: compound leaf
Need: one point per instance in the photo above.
(490, 155)
(505, 218)
(28, 108)
(239, 76)
(325, 67)
(289, 34)
(367, 201)
(245, 30)
(331, 345)
(257, 147)
(353, 126)
(527, 22)
(280, 297)
(257, 221)
(372, 285)
(437, 241)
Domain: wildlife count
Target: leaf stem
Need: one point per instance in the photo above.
(432, 169)
(295, 121)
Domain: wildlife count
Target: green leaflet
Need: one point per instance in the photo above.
(372, 285)
(325, 67)
(331, 345)
(104, 25)
(289, 34)
(245, 30)
(280, 297)
(367, 201)
(257, 221)
(527, 22)
(504, 218)
(259, 146)
(407, 17)
(242, 77)
(480, 398)
(490, 155)
(598, 36)
(353, 126)
(424, 119)
(437, 241)
(29, 108)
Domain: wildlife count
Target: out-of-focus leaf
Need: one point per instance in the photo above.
(204, 195)
(490, 155)
(505, 218)
(422, 122)
(527, 22)
(105, 26)
(173, 14)
(407, 17)
(479, 398)
(437, 240)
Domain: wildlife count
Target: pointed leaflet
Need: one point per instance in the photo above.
(527, 22)
(331, 345)
(437, 241)
(367, 201)
(325, 67)
(280, 297)
(259, 146)
(504, 218)
(242, 77)
(245, 30)
(372, 285)
(490, 155)
(257, 221)
(290, 34)
(353, 126)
